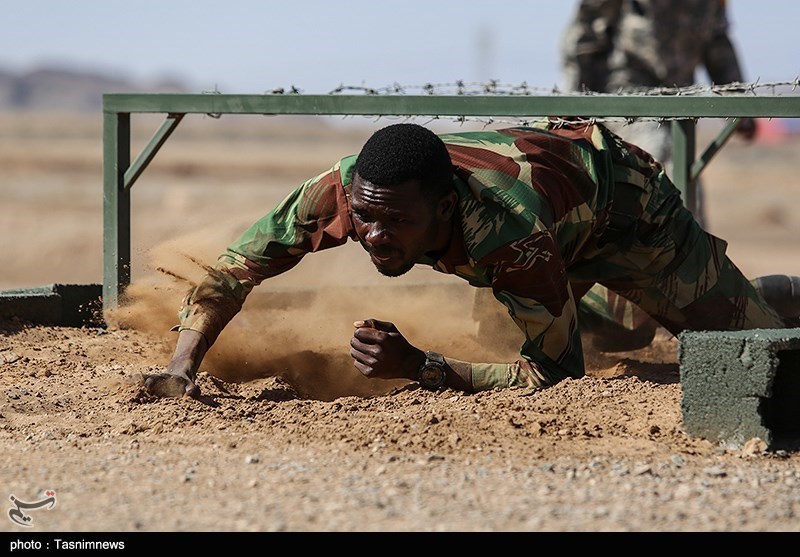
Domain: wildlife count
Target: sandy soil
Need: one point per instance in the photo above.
(288, 436)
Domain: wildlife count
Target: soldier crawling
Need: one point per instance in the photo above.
(537, 214)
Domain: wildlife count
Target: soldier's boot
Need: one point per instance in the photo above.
(782, 292)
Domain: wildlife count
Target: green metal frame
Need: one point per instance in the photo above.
(119, 173)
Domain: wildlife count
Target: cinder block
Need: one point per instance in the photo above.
(67, 305)
(737, 385)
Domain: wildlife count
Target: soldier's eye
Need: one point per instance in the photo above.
(361, 216)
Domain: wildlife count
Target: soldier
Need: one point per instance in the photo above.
(537, 215)
(625, 46)
(618, 46)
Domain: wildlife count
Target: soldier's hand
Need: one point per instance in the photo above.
(379, 350)
(747, 128)
(177, 381)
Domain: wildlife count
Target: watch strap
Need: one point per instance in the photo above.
(433, 359)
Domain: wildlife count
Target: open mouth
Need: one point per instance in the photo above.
(384, 254)
(390, 262)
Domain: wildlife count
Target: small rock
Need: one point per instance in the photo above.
(715, 471)
(251, 459)
(642, 470)
(9, 357)
(754, 446)
(187, 477)
(430, 458)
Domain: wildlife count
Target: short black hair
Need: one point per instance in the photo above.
(403, 152)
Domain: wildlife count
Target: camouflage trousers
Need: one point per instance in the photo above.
(662, 269)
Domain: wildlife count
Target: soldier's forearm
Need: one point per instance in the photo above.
(189, 352)
(459, 375)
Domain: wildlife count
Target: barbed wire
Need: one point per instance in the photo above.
(494, 87)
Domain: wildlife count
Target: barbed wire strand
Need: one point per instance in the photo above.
(494, 87)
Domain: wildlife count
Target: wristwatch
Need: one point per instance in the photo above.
(431, 374)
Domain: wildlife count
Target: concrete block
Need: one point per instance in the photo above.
(737, 385)
(66, 305)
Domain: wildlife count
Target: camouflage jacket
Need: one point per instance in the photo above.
(532, 202)
(613, 45)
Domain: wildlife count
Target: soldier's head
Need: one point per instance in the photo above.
(403, 199)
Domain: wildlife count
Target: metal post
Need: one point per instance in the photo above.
(683, 151)
(116, 207)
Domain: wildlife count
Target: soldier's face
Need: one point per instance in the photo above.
(397, 225)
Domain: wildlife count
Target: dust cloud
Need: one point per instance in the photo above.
(298, 326)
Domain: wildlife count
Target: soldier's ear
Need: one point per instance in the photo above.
(447, 206)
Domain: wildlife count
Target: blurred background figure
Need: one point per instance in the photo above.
(613, 46)
(627, 46)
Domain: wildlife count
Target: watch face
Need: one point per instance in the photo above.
(431, 377)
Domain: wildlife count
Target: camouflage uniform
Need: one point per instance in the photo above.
(543, 213)
(626, 45)
(629, 44)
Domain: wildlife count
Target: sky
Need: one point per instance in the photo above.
(250, 46)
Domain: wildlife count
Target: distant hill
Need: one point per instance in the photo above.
(51, 88)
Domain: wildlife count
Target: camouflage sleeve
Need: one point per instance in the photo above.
(587, 43)
(530, 279)
(313, 217)
(486, 377)
(719, 58)
(545, 358)
(533, 285)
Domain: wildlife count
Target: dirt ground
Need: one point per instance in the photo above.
(287, 435)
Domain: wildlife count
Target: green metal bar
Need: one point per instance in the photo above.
(459, 105)
(713, 149)
(116, 208)
(150, 150)
(683, 150)
(119, 176)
